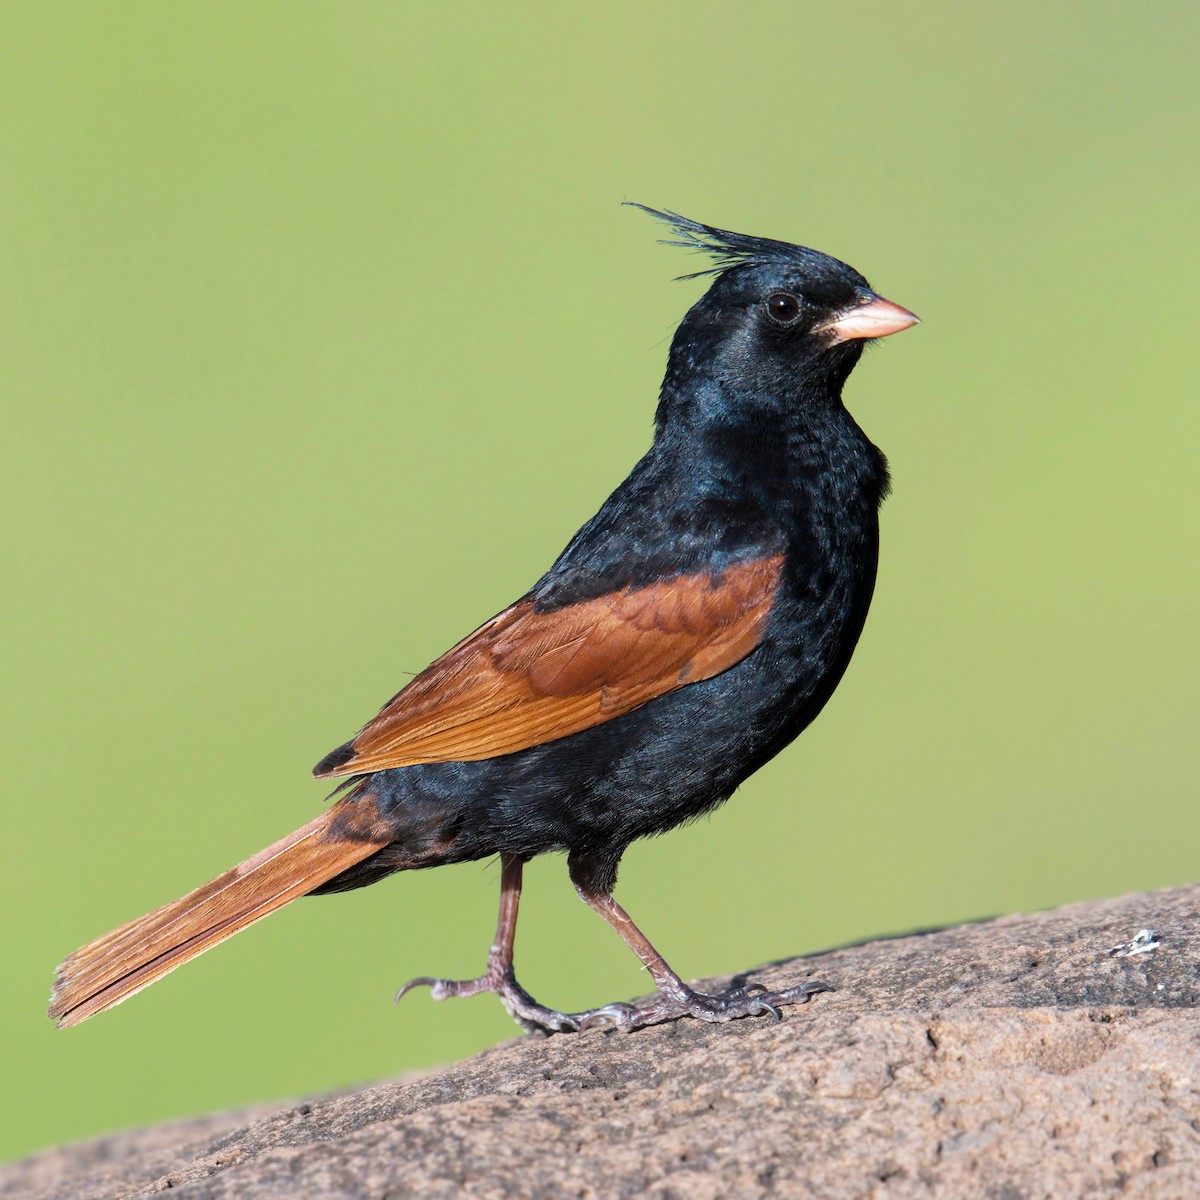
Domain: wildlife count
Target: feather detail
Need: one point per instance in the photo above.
(114, 967)
(531, 676)
(730, 249)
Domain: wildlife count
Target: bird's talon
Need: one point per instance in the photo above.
(616, 1015)
(420, 981)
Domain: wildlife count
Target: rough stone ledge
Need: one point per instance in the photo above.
(1017, 1058)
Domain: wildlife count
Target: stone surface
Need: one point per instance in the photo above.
(1049, 1055)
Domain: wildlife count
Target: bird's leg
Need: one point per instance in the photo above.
(676, 998)
(499, 976)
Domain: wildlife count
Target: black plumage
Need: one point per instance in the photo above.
(689, 631)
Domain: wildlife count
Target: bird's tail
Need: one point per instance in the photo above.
(105, 972)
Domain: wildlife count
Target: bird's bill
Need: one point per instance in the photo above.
(874, 319)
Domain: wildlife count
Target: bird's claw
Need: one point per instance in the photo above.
(614, 1015)
(445, 989)
(520, 1005)
(420, 981)
(752, 1000)
(762, 1002)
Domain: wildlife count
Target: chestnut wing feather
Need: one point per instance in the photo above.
(528, 677)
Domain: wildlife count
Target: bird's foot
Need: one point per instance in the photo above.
(520, 1005)
(751, 1001)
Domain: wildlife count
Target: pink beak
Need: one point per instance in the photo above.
(874, 319)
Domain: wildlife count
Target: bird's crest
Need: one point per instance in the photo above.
(727, 248)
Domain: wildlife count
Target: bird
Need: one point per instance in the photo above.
(688, 632)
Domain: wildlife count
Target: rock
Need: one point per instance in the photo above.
(1056, 1054)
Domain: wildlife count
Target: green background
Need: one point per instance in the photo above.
(324, 329)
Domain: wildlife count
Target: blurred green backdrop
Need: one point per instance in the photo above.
(324, 330)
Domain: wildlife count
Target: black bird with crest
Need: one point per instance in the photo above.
(689, 631)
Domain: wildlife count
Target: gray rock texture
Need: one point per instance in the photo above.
(1049, 1055)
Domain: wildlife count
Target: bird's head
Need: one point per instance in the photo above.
(780, 322)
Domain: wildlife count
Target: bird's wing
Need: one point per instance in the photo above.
(530, 676)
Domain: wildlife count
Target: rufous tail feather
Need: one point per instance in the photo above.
(112, 968)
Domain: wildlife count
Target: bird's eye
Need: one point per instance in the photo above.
(783, 307)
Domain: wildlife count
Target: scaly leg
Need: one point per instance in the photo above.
(499, 976)
(675, 998)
